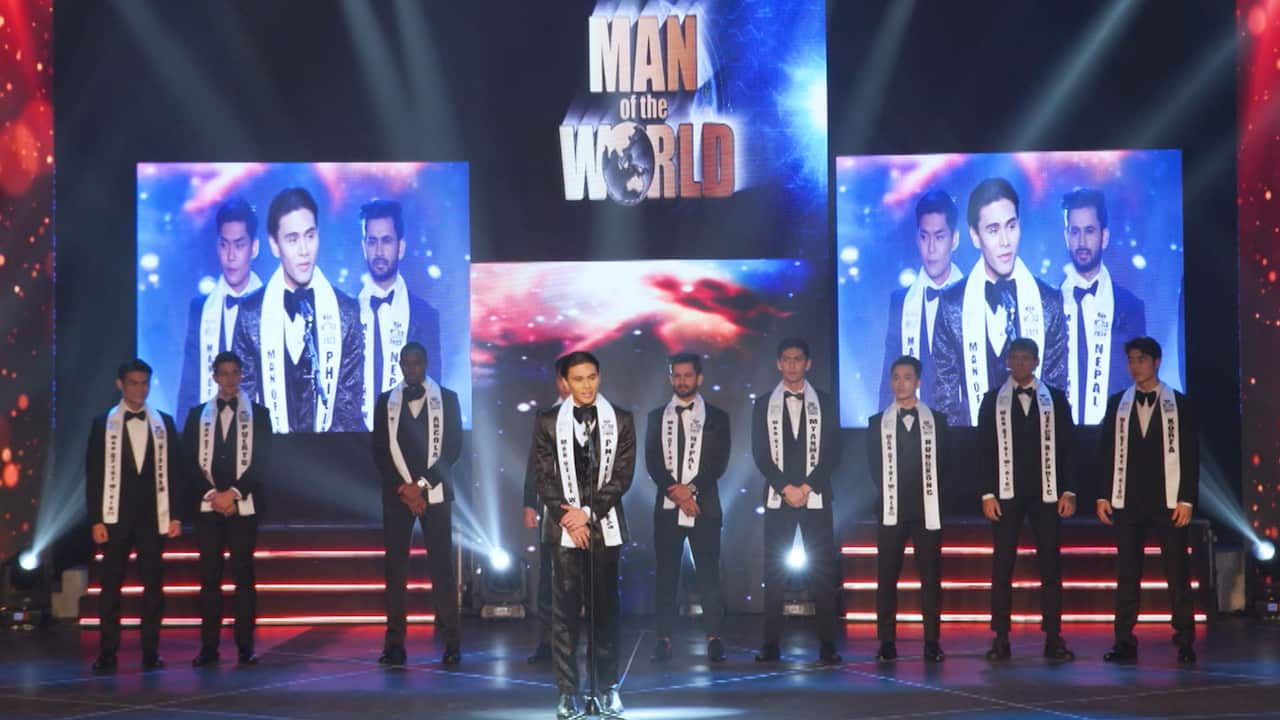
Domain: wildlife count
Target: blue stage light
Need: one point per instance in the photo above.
(499, 559)
(1264, 551)
(796, 559)
(29, 561)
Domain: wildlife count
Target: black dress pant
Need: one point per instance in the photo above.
(397, 535)
(546, 557)
(591, 577)
(820, 549)
(1046, 527)
(239, 535)
(1131, 535)
(143, 537)
(704, 543)
(891, 544)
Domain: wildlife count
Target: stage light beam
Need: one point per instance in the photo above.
(1264, 551)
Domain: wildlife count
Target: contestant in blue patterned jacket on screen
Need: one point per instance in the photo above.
(211, 320)
(299, 337)
(1000, 302)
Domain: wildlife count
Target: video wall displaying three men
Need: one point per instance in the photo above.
(949, 258)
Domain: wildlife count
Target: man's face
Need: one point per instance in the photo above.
(584, 382)
(296, 243)
(1142, 367)
(1022, 366)
(997, 236)
(1086, 238)
(383, 250)
(414, 366)
(904, 382)
(236, 251)
(134, 388)
(936, 241)
(793, 364)
(227, 375)
(685, 381)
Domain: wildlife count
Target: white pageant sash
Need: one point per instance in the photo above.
(394, 329)
(329, 330)
(211, 325)
(1031, 324)
(928, 465)
(912, 307)
(608, 421)
(1099, 318)
(776, 412)
(244, 447)
(692, 448)
(1043, 402)
(1169, 435)
(434, 402)
(114, 455)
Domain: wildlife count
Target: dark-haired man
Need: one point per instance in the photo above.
(586, 455)
(389, 314)
(795, 441)
(534, 516)
(686, 452)
(417, 438)
(913, 310)
(228, 444)
(1000, 302)
(1151, 455)
(300, 338)
(133, 476)
(211, 319)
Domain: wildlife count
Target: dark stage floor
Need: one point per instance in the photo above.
(331, 672)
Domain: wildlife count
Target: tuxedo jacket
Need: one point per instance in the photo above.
(1027, 454)
(712, 461)
(910, 479)
(348, 415)
(829, 452)
(893, 349)
(192, 372)
(224, 473)
(1130, 322)
(1144, 486)
(424, 327)
(603, 498)
(450, 446)
(949, 395)
(137, 489)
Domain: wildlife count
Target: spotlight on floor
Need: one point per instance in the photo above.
(1265, 581)
(796, 559)
(501, 585)
(796, 597)
(28, 560)
(25, 592)
(1264, 551)
(499, 560)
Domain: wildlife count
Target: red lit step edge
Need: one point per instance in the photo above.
(269, 587)
(281, 620)
(264, 554)
(1021, 619)
(870, 550)
(1017, 584)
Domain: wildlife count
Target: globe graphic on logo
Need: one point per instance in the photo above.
(626, 159)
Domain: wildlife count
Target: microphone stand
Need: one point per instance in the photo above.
(592, 471)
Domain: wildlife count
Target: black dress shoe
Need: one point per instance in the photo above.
(1056, 649)
(933, 653)
(206, 657)
(567, 707)
(1121, 654)
(247, 658)
(541, 654)
(154, 662)
(104, 664)
(769, 653)
(451, 657)
(392, 656)
(1000, 649)
(827, 654)
(715, 650)
(610, 704)
(1186, 655)
(661, 650)
(888, 651)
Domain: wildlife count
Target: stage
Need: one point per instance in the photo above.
(332, 672)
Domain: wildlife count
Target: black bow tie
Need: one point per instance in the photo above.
(230, 301)
(931, 294)
(585, 414)
(1081, 292)
(908, 412)
(683, 408)
(140, 415)
(413, 392)
(788, 395)
(1001, 293)
(233, 403)
(1028, 391)
(1146, 398)
(376, 302)
(303, 299)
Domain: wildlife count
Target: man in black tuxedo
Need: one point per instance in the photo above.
(912, 332)
(1151, 455)
(212, 318)
(299, 337)
(1101, 315)
(228, 446)
(906, 453)
(796, 444)
(534, 515)
(999, 302)
(389, 314)
(586, 454)
(417, 438)
(133, 479)
(686, 452)
(1016, 424)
